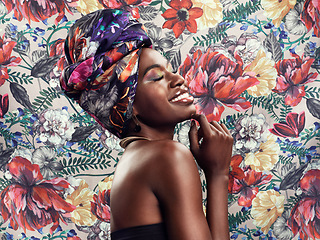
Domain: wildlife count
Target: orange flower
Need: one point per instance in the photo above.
(181, 16)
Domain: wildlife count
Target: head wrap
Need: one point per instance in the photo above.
(102, 51)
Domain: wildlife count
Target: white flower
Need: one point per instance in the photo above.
(293, 22)
(54, 82)
(3, 9)
(8, 176)
(281, 229)
(110, 141)
(74, 183)
(183, 133)
(54, 127)
(249, 132)
(45, 157)
(22, 152)
(248, 46)
(105, 230)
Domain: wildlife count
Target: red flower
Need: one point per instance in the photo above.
(292, 75)
(39, 10)
(311, 16)
(292, 127)
(214, 79)
(181, 16)
(125, 4)
(305, 215)
(247, 187)
(235, 172)
(57, 49)
(31, 202)
(73, 238)
(100, 205)
(6, 59)
(4, 104)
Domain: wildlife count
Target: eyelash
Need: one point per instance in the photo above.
(158, 79)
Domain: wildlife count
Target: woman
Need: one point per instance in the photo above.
(130, 89)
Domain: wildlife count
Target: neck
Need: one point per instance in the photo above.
(152, 133)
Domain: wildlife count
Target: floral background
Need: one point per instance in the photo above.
(251, 64)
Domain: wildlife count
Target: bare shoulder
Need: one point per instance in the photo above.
(169, 162)
(167, 153)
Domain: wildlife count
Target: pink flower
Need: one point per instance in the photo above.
(73, 238)
(311, 16)
(6, 59)
(292, 127)
(235, 172)
(39, 10)
(4, 104)
(31, 202)
(292, 75)
(247, 186)
(305, 215)
(100, 205)
(215, 80)
(128, 5)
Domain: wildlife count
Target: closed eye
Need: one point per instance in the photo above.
(157, 79)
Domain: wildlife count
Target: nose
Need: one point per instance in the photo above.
(176, 80)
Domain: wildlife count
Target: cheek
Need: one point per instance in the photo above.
(150, 100)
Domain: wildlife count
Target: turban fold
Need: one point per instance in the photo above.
(102, 52)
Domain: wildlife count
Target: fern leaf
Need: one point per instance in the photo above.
(47, 96)
(238, 218)
(242, 11)
(216, 35)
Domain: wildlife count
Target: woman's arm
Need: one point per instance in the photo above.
(176, 183)
(213, 155)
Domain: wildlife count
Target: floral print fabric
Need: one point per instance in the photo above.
(250, 64)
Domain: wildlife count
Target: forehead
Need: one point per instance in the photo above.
(150, 57)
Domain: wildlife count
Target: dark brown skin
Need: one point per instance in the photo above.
(157, 180)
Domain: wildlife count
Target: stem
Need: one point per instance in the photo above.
(94, 175)
(50, 36)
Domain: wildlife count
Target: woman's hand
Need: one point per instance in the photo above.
(211, 145)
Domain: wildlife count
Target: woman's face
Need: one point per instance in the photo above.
(162, 98)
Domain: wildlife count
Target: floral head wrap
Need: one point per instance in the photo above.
(102, 51)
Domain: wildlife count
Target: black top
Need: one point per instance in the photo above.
(145, 232)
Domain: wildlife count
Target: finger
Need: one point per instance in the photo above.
(225, 129)
(204, 124)
(217, 126)
(193, 136)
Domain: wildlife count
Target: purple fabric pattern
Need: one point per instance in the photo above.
(102, 51)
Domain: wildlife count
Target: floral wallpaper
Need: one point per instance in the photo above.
(251, 64)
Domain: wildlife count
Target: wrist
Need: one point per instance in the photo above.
(221, 177)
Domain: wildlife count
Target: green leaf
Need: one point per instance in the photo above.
(154, 3)
(242, 11)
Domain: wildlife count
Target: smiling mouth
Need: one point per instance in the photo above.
(183, 98)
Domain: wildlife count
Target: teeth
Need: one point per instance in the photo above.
(185, 95)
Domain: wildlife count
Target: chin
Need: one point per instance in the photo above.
(187, 115)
